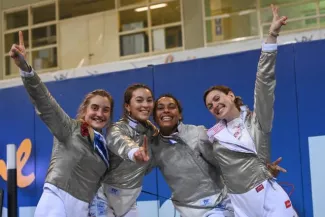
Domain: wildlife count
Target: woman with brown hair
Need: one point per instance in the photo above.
(79, 156)
(127, 141)
(241, 139)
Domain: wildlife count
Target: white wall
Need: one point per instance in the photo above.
(316, 156)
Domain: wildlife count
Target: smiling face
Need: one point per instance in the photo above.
(96, 109)
(167, 114)
(98, 112)
(222, 105)
(141, 104)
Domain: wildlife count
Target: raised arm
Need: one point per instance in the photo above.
(58, 122)
(265, 78)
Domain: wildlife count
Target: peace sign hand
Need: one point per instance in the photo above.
(142, 155)
(277, 21)
(18, 54)
(275, 169)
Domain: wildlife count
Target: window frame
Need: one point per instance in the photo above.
(29, 28)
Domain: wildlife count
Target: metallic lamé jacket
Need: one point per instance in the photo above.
(244, 171)
(75, 167)
(122, 137)
(183, 160)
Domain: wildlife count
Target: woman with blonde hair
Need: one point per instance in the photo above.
(79, 157)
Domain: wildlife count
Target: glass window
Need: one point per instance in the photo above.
(43, 14)
(133, 19)
(231, 27)
(217, 7)
(11, 68)
(166, 38)
(322, 11)
(267, 3)
(46, 58)
(173, 37)
(44, 36)
(165, 13)
(43, 47)
(131, 2)
(13, 38)
(16, 19)
(295, 25)
(136, 43)
(291, 11)
(157, 1)
(322, 6)
(74, 8)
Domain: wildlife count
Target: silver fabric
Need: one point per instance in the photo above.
(185, 159)
(75, 167)
(125, 177)
(244, 171)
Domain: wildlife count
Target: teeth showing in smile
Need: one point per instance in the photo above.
(98, 120)
(219, 109)
(166, 118)
(144, 112)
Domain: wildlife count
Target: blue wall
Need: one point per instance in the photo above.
(298, 111)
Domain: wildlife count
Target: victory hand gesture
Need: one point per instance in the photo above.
(18, 54)
(275, 169)
(277, 21)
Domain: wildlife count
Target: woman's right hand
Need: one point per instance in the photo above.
(277, 21)
(18, 54)
(142, 155)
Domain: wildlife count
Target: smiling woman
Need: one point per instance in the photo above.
(181, 151)
(243, 137)
(127, 140)
(138, 102)
(95, 109)
(167, 121)
(80, 158)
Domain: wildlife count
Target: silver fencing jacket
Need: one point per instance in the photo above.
(75, 167)
(242, 171)
(183, 160)
(122, 137)
(124, 179)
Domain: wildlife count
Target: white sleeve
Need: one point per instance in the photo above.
(131, 153)
(269, 47)
(26, 74)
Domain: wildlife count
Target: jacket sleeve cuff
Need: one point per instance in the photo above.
(26, 74)
(269, 47)
(131, 154)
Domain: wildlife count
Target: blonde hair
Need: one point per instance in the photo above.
(83, 106)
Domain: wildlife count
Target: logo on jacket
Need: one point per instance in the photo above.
(114, 191)
(206, 202)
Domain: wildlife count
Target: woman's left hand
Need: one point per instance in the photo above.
(275, 169)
